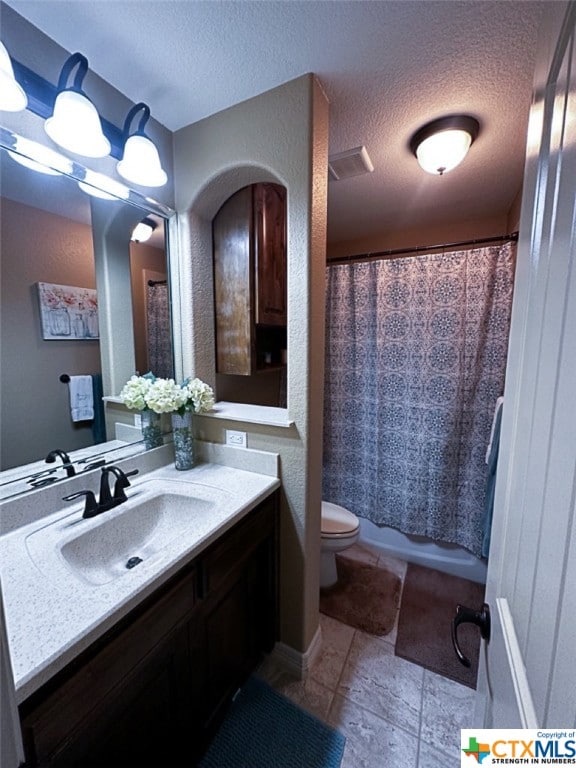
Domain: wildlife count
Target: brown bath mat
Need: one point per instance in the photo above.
(365, 597)
(428, 604)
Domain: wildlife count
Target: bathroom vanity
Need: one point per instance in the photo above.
(137, 668)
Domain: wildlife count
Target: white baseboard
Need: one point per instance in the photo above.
(295, 662)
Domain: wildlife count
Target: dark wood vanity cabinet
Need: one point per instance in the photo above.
(249, 238)
(152, 691)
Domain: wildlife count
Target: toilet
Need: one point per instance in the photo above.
(340, 529)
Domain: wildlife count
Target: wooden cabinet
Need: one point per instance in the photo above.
(249, 238)
(152, 691)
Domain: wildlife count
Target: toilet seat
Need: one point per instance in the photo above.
(337, 522)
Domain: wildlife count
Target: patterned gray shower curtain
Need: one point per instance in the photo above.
(415, 360)
(159, 339)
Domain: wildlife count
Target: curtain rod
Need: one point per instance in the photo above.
(421, 248)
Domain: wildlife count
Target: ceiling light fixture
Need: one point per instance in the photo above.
(102, 186)
(143, 230)
(75, 124)
(442, 144)
(140, 162)
(40, 158)
(12, 96)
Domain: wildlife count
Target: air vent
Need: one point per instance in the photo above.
(353, 162)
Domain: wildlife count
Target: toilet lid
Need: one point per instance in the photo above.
(336, 519)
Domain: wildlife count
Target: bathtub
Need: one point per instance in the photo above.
(449, 558)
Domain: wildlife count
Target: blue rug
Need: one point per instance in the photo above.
(265, 730)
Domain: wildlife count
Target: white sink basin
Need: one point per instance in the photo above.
(158, 518)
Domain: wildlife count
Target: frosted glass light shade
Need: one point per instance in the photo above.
(40, 158)
(75, 125)
(102, 186)
(442, 144)
(141, 162)
(12, 96)
(443, 151)
(143, 231)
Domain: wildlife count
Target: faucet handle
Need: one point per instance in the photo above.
(94, 465)
(121, 483)
(91, 507)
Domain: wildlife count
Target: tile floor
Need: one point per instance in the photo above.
(392, 712)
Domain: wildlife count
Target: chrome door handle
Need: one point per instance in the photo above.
(467, 616)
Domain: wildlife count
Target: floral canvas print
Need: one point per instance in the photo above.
(67, 312)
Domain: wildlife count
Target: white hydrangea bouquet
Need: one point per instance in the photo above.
(148, 392)
(152, 395)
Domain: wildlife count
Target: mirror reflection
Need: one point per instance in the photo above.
(52, 235)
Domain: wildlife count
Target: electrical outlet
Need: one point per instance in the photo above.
(235, 438)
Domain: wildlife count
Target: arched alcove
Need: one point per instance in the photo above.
(196, 277)
(280, 136)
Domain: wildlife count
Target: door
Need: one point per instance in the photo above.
(527, 674)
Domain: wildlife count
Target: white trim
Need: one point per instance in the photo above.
(253, 414)
(516, 665)
(295, 662)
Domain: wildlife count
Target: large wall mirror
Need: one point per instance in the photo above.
(62, 250)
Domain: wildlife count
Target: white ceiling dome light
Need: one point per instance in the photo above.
(442, 144)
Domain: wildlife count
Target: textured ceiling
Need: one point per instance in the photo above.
(386, 67)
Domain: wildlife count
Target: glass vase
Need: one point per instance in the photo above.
(183, 440)
(151, 429)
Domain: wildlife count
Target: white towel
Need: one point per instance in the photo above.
(81, 398)
(499, 403)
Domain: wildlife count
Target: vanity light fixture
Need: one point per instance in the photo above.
(12, 96)
(442, 144)
(102, 186)
(75, 124)
(140, 162)
(40, 158)
(143, 230)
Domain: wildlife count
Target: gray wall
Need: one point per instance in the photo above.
(35, 413)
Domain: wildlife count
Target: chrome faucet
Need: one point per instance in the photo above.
(107, 500)
(67, 464)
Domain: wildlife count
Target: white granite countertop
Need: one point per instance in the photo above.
(53, 614)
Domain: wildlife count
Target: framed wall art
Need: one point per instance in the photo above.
(68, 312)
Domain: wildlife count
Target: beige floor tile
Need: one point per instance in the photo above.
(308, 694)
(429, 757)
(370, 741)
(446, 708)
(336, 641)
(382, 683)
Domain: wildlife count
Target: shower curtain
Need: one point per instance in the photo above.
(158, 330)
(415, 360)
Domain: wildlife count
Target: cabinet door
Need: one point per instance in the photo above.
(233, 284)
(146, 721)
(239, 612)
(270, 229)
(125, 695)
